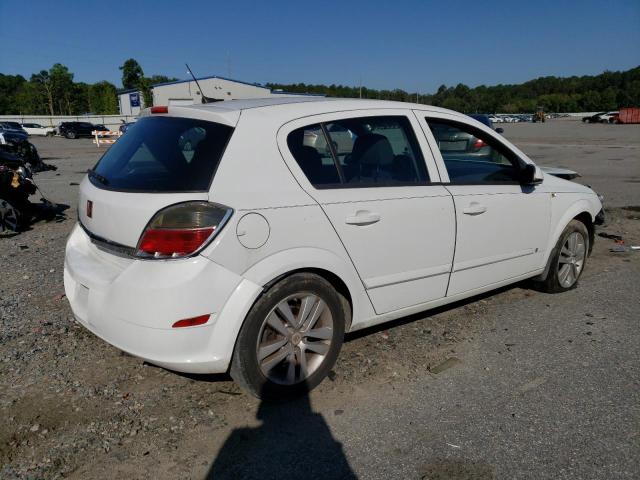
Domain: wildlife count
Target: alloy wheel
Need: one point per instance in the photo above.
(294, 338)
(571, 259)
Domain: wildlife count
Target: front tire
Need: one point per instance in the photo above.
(290, 339)
(70, 135)
(568, 259)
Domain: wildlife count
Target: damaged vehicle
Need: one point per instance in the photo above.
(16, 185)
(251, 249)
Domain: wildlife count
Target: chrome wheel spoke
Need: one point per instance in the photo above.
(285, 310)
(291, 368)
(564, 259)
(580, 251)
(274, 360)
(317, 347)
(302, 361)
(324, 333)
(565, 252)
(268, 348)
(574, 272)
(572, 242)
(306, 308)
(313, 317)
(563, 274)
(277, 324)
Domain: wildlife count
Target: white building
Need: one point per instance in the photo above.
(186, 92)
(130, 102)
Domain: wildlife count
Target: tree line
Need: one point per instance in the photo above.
(54, 92)
(607, 91)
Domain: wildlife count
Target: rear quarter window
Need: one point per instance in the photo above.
(163, 154)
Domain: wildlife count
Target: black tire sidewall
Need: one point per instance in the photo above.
(244, 367)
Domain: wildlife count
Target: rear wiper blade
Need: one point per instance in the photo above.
(93, 174)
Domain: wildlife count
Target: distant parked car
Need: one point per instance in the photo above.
(12, 126)
(486, 120)
(609, 117)
(78, 129)
(595, 118)
(39, 130)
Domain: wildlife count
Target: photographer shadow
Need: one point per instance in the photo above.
(292, 442)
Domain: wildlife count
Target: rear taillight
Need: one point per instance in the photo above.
(181, 230)
(478, 144)
(160, 109)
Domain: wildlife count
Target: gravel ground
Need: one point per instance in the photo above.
(514, 384)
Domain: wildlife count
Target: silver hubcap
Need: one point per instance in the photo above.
(571, 259)
(8, 217)
(294, 339)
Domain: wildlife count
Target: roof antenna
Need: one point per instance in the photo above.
(204, 98)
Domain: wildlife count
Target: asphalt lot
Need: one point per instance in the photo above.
(514, 384)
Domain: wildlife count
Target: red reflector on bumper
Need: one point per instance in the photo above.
(192, 322)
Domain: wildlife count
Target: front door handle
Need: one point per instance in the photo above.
(474, 208)
(362, 217)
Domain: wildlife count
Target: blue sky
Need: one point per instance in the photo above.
(413, 45)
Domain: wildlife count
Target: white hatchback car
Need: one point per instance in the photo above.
(39, 130)
(215, 238)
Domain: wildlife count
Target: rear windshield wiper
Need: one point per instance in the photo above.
(93, 174)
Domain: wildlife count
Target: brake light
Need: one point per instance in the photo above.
(160, 109)
(191, 322)
(479, 144)
(181, 230)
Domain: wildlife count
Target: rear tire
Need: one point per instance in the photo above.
(290, 339)
(567, 260)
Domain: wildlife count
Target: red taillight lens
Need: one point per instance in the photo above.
(160, 109)
(191, 322)
(174, 242)
(182, 229)
(478, 144)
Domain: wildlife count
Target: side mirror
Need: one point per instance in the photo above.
(500, 130)
(531, 175)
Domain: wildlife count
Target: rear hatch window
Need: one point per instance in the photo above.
(163, 154)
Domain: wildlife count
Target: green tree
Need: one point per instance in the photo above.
(62, 88)
(131, 74)
(45, 88)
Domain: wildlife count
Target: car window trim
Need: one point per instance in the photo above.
(344, 185)
(334, 153)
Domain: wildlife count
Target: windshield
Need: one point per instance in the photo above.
(163, 154)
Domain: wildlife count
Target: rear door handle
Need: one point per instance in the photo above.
(474, 208)
(362, 217)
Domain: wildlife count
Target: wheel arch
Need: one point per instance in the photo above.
(581, 211)
(339, 272)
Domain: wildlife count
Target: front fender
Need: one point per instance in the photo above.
(576, 208)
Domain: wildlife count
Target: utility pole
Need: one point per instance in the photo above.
(360, 86)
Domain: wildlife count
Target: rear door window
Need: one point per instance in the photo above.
(359, 152)
(164, 154)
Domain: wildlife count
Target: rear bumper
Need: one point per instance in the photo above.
(132, 305)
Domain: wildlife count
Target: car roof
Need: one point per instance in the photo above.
(229, 111)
